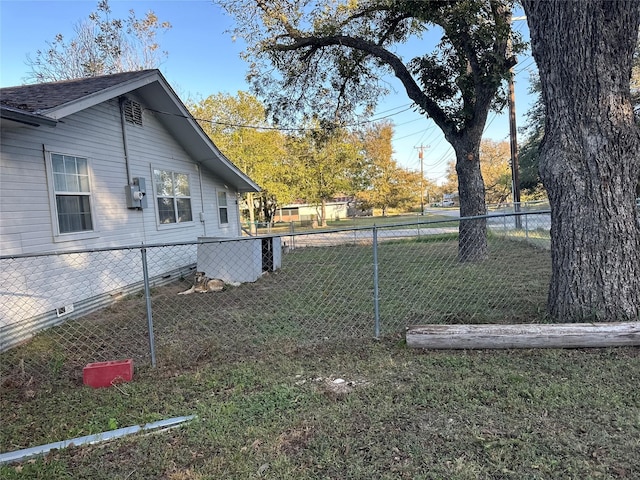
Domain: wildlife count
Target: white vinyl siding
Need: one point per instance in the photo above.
(28, 222)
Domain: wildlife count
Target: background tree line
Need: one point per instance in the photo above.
(311, 165)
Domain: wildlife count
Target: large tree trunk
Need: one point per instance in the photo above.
(472, 243)
(590, 156)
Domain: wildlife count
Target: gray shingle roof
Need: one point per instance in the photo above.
(39, 97)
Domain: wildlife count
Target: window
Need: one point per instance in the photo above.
(173, 197)
(72, 193)
(222, 208)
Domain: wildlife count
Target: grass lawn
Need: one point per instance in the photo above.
(400, 414)
(257, 364)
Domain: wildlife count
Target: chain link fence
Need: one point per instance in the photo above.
(62, 311)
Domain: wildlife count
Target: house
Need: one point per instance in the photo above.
(339, 207)
(103, 162)
(449, 200)
(309, 212)
(76, 153)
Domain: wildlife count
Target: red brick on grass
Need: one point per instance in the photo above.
(106, 374)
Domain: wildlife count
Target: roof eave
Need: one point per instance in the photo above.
(190, 134)
(26, 118)
(241, 182)
(95, 98)
(235, 178)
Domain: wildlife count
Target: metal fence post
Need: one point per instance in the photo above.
(147, 298)
(376, 298)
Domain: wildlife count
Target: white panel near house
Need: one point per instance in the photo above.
(238, 261)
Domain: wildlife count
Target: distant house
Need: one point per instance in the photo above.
(340, 207)
(449, 199)
(308, 212)
(102, 162)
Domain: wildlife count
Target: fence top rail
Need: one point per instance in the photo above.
(54, 253)
(144, 246)
(459, 219)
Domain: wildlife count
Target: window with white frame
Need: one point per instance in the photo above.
(223, 209)
(72, 191)
(173, 197)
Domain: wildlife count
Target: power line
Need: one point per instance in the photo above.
(442, 159)
(530, 62)
(411, 135)
(486, 127)
(405, 106)
(256, 127)
(412, 121)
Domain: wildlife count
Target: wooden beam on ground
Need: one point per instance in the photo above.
(567, 335)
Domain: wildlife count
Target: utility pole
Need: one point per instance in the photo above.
(513, 140)
(421, 149)
(515, 176)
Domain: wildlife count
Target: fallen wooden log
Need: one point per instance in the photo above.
(567, 335)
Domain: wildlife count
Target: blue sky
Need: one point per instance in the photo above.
(204, 60)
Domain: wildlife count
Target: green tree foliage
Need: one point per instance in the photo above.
(334, 59)
(314, 165)
(238, 127)
(387, 184)
(102, 45)
(495, 164)
(327, 163)
(533, 132)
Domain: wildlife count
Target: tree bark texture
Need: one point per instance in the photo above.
(590, 155)
(472, 243)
